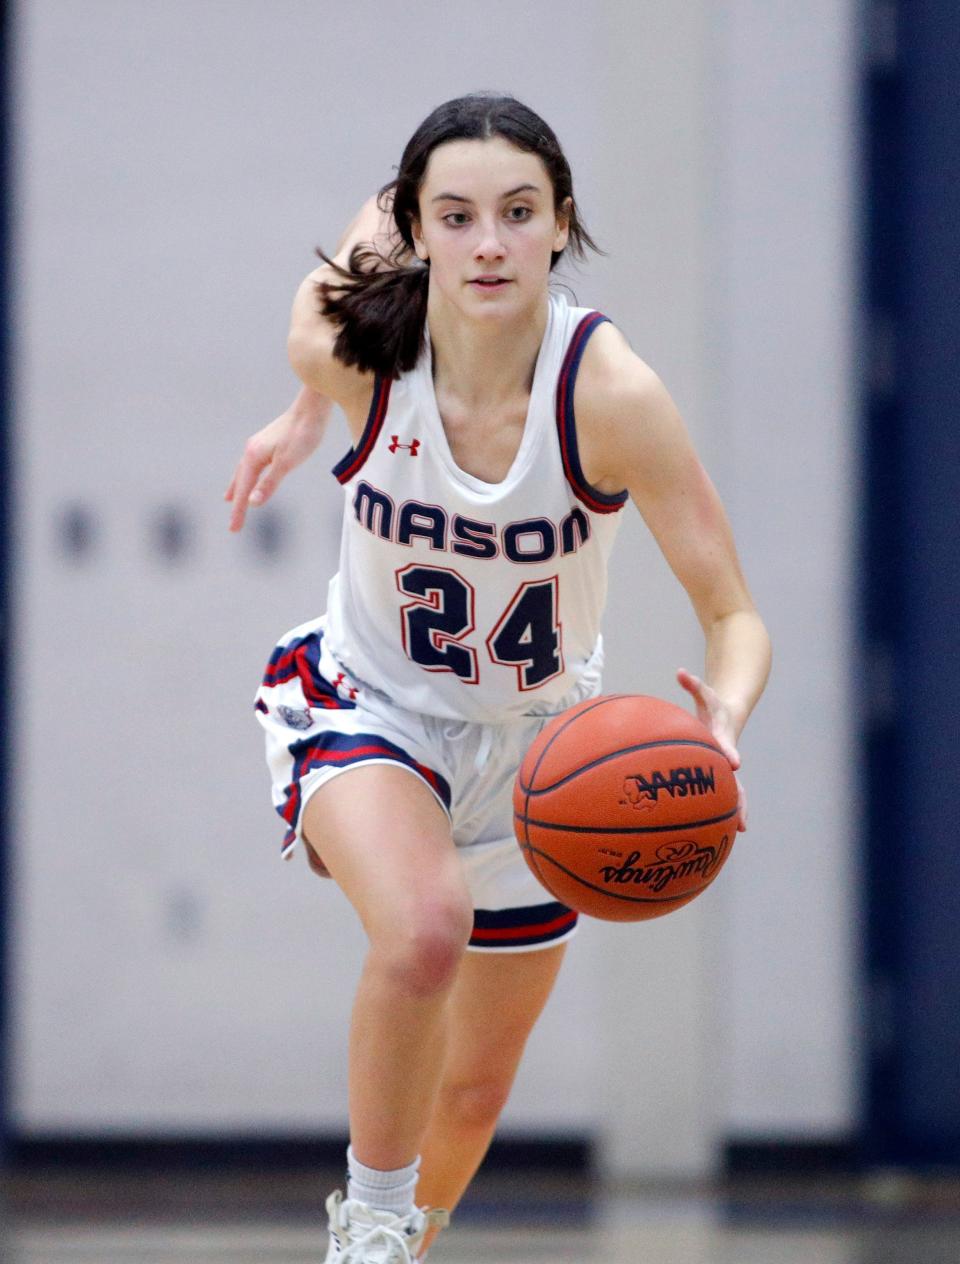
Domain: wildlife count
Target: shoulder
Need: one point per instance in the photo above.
(612, 377)
(624, 412)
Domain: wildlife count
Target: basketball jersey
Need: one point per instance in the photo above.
(461, 598)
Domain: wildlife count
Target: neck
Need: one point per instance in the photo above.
(485, 361)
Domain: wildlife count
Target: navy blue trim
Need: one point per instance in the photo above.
(244, 1152)
(599, 502)
(6, 520)
(352, 461)
(499, 919)
(789, 1156)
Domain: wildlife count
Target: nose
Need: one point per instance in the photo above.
(489, 245)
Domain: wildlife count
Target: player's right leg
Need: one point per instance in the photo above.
(365, 791)
(386, 842)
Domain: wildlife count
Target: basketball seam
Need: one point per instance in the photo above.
(531, 856)
(673, 827)
(527, 847)
(533, 776)
(625, 750)
(611, 697)
(616, 895)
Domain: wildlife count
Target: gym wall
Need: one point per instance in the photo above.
(176, 164)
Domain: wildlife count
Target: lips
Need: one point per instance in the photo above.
(490, 282)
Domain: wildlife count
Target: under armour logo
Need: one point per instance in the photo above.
(410, 447)
(339, 682)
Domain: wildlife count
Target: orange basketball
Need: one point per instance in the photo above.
(625, 807)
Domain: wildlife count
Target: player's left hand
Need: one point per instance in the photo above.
(715, 714)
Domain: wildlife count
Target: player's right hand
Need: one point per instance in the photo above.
(271, 453)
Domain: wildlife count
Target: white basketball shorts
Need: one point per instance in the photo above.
(319, 723)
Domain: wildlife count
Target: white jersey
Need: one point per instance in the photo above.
(461, 598)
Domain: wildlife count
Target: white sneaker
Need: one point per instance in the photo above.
(359, 1234)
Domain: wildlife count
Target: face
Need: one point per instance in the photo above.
(488, 225)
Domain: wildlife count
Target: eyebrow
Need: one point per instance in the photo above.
(457, 197)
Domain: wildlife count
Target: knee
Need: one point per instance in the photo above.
(475, 1103)
(425, 948)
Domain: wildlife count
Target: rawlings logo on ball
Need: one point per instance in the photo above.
(675, 862)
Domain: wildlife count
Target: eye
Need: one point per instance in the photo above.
(519, 213)
(456, 219)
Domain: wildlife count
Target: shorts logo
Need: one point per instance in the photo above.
(408, 447)
(340, 682)
(295, 718)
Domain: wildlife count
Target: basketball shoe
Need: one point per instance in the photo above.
(359, 1234)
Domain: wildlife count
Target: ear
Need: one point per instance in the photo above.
(419, 245)
(563, 224)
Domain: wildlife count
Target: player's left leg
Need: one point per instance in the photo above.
(496, 1000)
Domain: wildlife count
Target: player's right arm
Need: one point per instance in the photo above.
(271, 453)
(312, 335)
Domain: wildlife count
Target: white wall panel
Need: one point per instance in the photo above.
(781, 302)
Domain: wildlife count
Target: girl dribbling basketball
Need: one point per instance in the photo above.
(497, 434)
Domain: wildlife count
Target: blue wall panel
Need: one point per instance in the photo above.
(912, 595)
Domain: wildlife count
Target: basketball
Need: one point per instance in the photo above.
(625, 807)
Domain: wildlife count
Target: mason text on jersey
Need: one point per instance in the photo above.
(536, 539)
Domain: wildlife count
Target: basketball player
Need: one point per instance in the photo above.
(496, 435)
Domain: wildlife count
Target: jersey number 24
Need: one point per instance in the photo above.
(437, 622)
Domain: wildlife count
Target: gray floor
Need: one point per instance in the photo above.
(56, 1218)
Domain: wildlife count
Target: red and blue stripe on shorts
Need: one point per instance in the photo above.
(521, 927)
(300, 658)
(342, 750)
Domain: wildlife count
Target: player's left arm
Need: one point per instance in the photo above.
(631, 436)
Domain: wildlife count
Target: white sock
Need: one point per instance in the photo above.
(385, 1191)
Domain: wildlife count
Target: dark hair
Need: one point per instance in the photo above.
(381, 314)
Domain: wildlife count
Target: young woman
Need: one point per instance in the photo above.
(497, 433)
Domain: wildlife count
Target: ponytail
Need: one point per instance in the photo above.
(381, 314)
